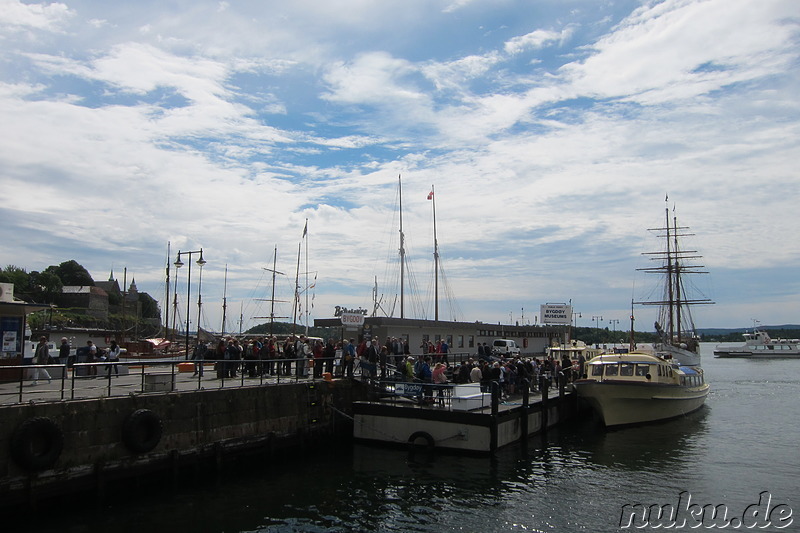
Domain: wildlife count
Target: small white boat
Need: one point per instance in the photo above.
(637, 387)
(759, 345)
(573, 351)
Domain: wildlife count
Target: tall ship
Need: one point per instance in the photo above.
(759, 345)
(677, 334)
(638, 386)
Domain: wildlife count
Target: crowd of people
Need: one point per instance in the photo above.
(302, 356)
(267, 356)
(510, 374)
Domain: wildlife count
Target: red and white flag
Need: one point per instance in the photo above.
(430, 195)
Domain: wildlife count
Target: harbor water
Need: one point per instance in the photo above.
(738, 451)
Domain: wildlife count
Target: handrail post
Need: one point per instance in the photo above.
(72, 385)
(63, 379)
(21, 379)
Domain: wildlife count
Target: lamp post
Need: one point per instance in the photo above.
(178, 264)
(199, 297)
(597, 319)
(614, 322)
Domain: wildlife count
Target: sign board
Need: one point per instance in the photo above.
(408, 389)
(352, 320)
(556, 314)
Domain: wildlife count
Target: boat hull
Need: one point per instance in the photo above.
(784, 354)
(622, 403)
(475, 431)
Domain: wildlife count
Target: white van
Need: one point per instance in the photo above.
(505, 348)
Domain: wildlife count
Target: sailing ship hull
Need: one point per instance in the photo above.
(678, 354)
(637, 403)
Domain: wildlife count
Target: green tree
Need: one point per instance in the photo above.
(71, 273)
(149, 306)
(19, 277)
(44, 286)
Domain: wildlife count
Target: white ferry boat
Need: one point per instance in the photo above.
(759, 345)
(637, 387)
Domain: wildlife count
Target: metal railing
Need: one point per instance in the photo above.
(119, 378)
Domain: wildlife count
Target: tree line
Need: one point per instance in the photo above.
(45, 287)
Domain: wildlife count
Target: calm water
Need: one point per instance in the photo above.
(744, 441)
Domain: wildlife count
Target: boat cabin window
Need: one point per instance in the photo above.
(641, 370)
(626, 369)
(612, 370)
(597, 370)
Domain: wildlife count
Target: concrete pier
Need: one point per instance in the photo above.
(51, 446)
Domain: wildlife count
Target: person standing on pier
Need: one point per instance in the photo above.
(330, 355)
(41, 357)
(113, 356)
(348, 357)
(63, 352)
(199, 356)
(219, 357)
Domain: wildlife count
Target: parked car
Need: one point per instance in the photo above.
(505, 348)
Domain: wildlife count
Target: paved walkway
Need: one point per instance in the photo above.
(140, 379)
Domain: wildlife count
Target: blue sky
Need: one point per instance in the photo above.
(551, 131)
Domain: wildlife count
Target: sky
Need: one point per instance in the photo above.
(554, 134)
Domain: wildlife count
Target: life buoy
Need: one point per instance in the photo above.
(141, 431)
(37, 443)
(414, 440)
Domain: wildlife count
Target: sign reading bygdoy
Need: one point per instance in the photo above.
(351, 318)
(556, 314)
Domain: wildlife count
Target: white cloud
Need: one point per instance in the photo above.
(47, 17)
(551, 141)
(533, 40)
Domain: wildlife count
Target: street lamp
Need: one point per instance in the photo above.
(597, 319)
(178, 264)
(614, 322)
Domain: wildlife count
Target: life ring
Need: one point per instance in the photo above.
(141, 431)
(37, 443)
(429, 442)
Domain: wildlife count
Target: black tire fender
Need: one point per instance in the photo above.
(37, 444)
(413, 440)
(141, 431)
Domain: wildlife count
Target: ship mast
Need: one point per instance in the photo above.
(670, 278)
(674, 305)
(166, 307)
(402, 251)
(274, 271)
(224, 300)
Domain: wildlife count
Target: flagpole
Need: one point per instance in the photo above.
(296, 291)
(435, 260)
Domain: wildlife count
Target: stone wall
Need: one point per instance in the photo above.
(97, 434)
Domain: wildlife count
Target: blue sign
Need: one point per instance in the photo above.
(408, 389)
